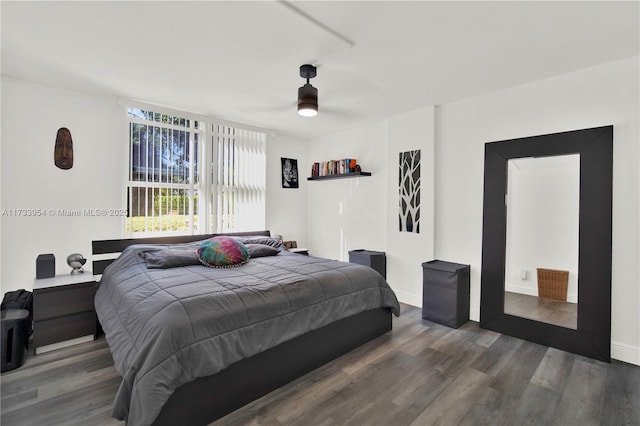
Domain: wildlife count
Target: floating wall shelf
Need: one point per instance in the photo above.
(347, 175)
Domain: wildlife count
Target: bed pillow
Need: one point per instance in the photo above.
(261, 250)
(222, 252)
(171, 256)
(267, 241)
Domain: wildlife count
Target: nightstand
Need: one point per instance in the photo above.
(63, 312)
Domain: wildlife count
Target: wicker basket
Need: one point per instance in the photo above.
(552, 284)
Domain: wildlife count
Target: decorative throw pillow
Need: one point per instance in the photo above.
(222, 252)
(261, 250)
(171, 256)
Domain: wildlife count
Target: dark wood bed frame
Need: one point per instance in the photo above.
(209, 398)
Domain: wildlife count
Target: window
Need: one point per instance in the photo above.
(170, 189)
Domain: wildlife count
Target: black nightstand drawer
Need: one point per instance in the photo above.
(55, 302)
(63, 311)
(64, 328)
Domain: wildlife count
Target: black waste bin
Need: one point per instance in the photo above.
(373, 259)
(445, 292)
(15, 337)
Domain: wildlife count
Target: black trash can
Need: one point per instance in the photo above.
(15, 337)
(373, 259)
(445, 292)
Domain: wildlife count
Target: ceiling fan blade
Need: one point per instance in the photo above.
(275, 107)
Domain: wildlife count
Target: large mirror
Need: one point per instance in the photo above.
(528, 240)
(541, 264)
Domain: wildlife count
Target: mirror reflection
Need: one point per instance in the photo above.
(542, 211)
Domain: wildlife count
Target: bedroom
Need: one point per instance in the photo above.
(587, 81)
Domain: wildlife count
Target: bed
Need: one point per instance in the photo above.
(194, 343)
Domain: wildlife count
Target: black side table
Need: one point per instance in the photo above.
(15, 337)
(373, 259)
(445, 292)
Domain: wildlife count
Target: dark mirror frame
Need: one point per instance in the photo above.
(592, 338)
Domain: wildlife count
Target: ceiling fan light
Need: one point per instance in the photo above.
(307, 112)
(307, 101)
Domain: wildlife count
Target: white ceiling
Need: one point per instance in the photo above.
(239, 60)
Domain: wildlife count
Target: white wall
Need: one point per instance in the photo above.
(286, 213)
(31, 116)
(362, 213)
(406, 251)
(597, 96)
(348, 214)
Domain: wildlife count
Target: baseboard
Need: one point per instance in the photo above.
(474, 314)
(625, 353)
(64, 344)
(513, 288)
(571, 297)
(409, 298)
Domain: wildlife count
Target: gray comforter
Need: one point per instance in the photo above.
(167, 327)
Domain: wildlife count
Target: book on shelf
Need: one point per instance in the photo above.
(333, 167)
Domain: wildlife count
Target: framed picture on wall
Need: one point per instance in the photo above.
(289, 172)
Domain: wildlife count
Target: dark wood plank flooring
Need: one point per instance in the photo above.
(421, 373)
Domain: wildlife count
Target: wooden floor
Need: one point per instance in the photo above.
(421, 373)
(563, 314)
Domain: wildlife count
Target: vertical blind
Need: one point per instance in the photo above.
(238, 190)
(170, 192)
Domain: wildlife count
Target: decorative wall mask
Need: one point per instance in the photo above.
(63, 152)
(409, 182)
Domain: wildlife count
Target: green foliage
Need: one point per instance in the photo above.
(160, 223)
(166, 204)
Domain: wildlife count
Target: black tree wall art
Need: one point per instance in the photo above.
(409, 182)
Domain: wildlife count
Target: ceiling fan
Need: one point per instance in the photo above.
(307, 101)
